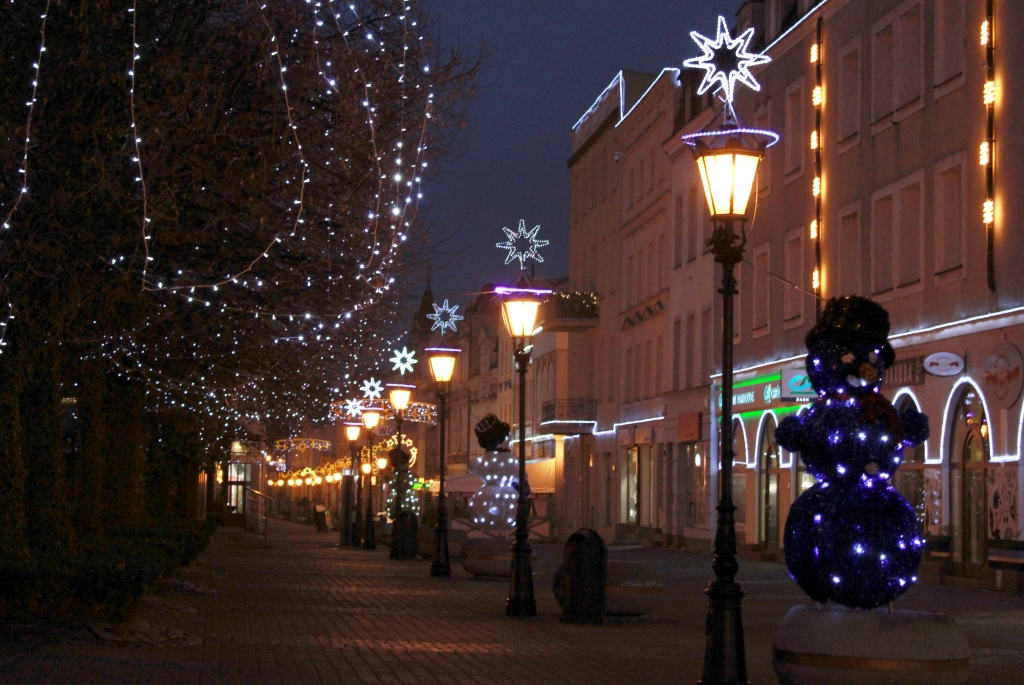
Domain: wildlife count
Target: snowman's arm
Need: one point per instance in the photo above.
(915, 427)
(790, 433)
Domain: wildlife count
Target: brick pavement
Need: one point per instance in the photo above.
(299, 610)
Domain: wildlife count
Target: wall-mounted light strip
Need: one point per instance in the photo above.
(988, 148)
(818, 100)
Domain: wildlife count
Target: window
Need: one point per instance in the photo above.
(653, 172)
(760, 290)
(659, 351)
(613, 352)
(794, 268)
(632, 187)
(630, 277)
(949, 40)
(660, 258)
(641, 178)
(643, 276)
(794, 139)
(692, 223)
(881, 73)
(652, 270)
(600, 377)
(848, 259)
(910, 43)
(648, 367)
(897, 65)
(896, 235)
(691, 337)
(763, 121)
(708, 352)
(680, 226)
(849, 91)
(677, 344)
(628, 385)
(637, 371)
(949, 215)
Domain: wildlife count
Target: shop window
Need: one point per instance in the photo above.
(910, 478)
(968, 457)
(769, 472)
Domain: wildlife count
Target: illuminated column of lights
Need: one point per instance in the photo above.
(988, 149)
(818, 100)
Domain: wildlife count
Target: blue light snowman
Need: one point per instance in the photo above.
(852, 538)
(493, 506)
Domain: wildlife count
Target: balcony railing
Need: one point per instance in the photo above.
(554, 411)
(568, 311)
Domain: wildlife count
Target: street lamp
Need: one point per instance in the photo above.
(519, 307)
(371, 418)
(442, 367)
(399, 394)
(727, 158)
(350, 532)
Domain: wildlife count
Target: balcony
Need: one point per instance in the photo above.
(568, 417)
(568, 312)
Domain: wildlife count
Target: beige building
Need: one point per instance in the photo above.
(888, 182)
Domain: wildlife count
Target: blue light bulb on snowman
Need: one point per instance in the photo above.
(852, 538)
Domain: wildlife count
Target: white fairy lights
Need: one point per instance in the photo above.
(522, 244)
(403, 360)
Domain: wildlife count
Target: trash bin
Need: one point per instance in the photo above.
(579, 581)
(320, 517)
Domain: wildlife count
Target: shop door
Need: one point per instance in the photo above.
(628, 487)
(768, 495)
(969, 512)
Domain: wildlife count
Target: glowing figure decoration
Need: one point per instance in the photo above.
(522, 244)
(372, 389)
(493, 506)
(444, 317)
(404, 360)
(353, 408)
(726, 60)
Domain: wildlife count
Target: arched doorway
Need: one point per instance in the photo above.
(739, 474)
(910, 478)
(769, 472)
(803, 479)
(968, 455)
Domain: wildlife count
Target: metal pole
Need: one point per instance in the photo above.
(369, 542)
(520, 600)
(441, 566)
(724, 654)
(400, 472)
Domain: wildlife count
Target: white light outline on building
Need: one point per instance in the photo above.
(636, 104)
(917, 403)
(992, 432)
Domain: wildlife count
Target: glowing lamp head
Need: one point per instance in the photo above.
(329, 478)
(366, 468)
(309, 481)
(280, 483)
(371, 418)
(337, 477)
(400, 394)
(727, 173)
(382, 463)
(352, 431)
(519, 309)
(442, 362)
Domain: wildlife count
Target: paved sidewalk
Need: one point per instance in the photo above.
(299, 610)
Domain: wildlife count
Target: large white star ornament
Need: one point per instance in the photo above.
(726, 60)
(372, 389)
(353, 409)
(404, 360)
(522, 244)
(444, 317)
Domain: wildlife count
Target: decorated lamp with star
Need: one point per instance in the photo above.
(522, 244)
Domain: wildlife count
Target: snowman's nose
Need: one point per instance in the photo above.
(868, 372)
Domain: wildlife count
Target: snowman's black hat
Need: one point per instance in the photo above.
(491, 431)
(853, 319)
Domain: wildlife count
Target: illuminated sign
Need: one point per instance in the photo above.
(796, 386)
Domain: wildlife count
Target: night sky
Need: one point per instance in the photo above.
(549, 60)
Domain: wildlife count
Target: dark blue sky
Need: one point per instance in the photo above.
(549, 60)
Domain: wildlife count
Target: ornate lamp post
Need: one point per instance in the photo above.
(442, 367)
(371, 417)
(399, 394)
(350, 529)
(519, 309)
(727, 157)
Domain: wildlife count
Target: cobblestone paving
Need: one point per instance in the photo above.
(297, 609)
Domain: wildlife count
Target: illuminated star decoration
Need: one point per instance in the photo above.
(444, 317)
(404, 360)
(354, 408)
(522, 244)
(726, 60)
(372, 389)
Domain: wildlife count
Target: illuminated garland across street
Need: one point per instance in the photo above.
(303, 444)
(420, 412)
(334, 470)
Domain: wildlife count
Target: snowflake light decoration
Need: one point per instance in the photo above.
(372, 389)
(404, 360)
(726, 60)
(522, 244)
(353, 408)
(444, 317)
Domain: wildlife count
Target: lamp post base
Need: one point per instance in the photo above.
(520, 600)
(724, 655)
